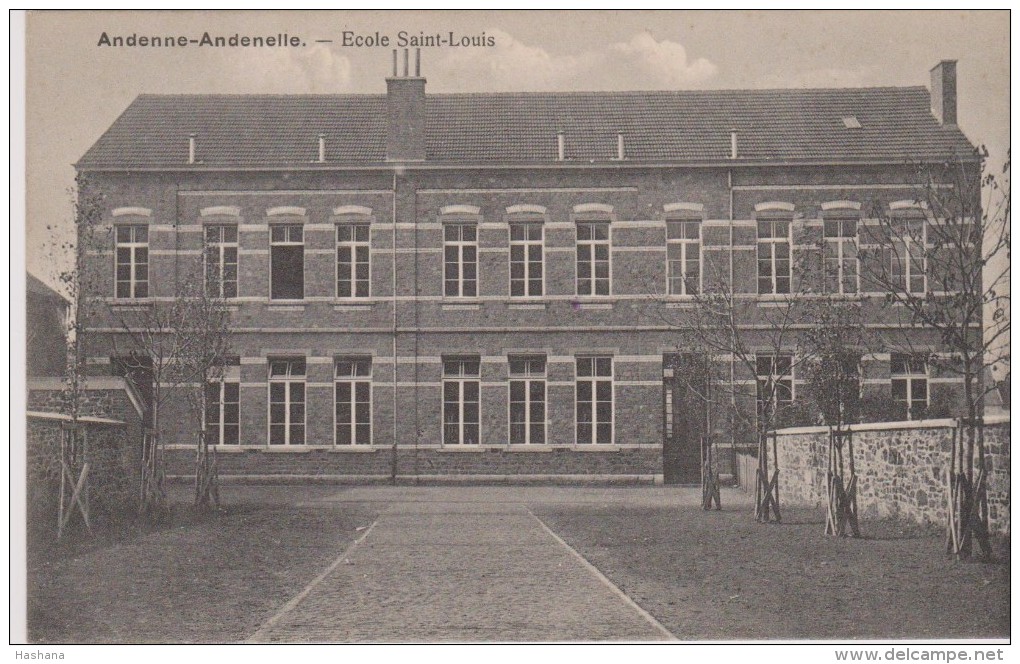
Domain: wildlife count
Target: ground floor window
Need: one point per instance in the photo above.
(222, 414)
(527, 400)
(909, 375)
(353, 401)
(594, 400)
(461, 387)
(774, 384)
(287, 401)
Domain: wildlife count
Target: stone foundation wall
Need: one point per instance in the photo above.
(639, 464)
(901, 469)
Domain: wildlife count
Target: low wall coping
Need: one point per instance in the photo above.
(945, 423)
(58, 384)
(61, 417)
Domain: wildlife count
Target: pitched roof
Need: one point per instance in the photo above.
(35, 286)
(679, 126)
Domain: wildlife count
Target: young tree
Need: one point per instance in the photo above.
(79, 281)
(758, 337)
(203, 366)
(942, 259)
(835, 346)
(181, 344)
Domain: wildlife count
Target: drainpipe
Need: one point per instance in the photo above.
(393, 283)
(733, 376)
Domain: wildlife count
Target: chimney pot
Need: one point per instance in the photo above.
(417, 63)
(943, 92)
(394, 63)
(407, 57)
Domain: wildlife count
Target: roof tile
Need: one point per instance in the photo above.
(678, 126)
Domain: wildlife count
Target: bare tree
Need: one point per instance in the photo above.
(208, 326)
(835, 346)
(181, 344)
(754, 341)
(79, 281)
(942, 259)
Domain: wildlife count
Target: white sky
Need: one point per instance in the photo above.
(76, 89)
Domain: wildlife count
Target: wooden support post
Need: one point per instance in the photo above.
(841, 485)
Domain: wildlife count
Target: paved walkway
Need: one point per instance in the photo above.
(458, 565)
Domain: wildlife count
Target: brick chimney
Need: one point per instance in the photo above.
(943, 92)
(405, 107)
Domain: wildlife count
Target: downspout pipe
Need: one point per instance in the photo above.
(393, 285)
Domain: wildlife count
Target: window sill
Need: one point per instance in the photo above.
(353, 306)
(592, 303)
(286, 305)
(467, 305)
(128, 305)
(286, 449)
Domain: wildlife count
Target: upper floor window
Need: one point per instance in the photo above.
(460, 260)
(839, 252)
(773, 256)
(527, 399)
(132, 267)
(774, 381)
(461, 401)
(353, 401)
(352, 260)
(221, 260)
(594, 400)
(526, 269)
(909, 374)
(593, 258)
(287, 401)
(287, 262)
(908, 254)
(683, 254)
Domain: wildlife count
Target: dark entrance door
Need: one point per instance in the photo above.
(684, 414)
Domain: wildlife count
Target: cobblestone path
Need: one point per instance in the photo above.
(459, 572)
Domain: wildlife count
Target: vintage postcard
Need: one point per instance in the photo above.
(517, 327)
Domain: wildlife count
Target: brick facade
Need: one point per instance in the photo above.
(409, 324)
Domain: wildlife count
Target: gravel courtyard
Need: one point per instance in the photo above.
(424, 564)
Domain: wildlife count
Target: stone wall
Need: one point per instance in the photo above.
(901, 469)
(112, 456)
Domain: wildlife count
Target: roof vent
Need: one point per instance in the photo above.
(619, 147)
(851, 122)
(322, 148)
(733, 143)
(191, 148)
(560, 146)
